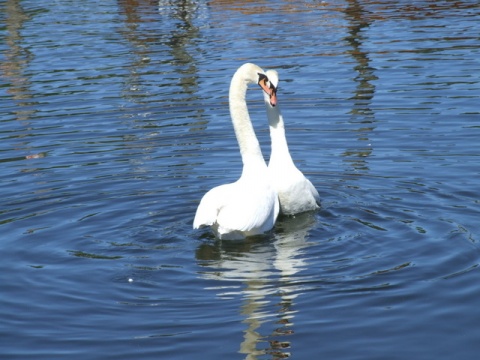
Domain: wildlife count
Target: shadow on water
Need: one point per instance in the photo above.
(266, 273)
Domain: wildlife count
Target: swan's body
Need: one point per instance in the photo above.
(250, 205)
(295, 192)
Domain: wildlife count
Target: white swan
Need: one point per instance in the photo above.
(250, 205)
(295, 192)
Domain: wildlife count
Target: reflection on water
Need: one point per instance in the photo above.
(12, 69)
(265, 273)
(385, 9)
(361, 112)
(161, 87)
(17, 58)
(136, 13)
(144, 29)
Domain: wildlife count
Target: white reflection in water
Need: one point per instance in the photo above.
(265, 273)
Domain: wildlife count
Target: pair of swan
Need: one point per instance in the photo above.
(250, 205)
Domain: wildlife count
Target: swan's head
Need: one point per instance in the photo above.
(268, 83)
(269, 86)
(250, 73)
(273, 78)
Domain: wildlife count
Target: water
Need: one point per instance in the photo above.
(114, 123)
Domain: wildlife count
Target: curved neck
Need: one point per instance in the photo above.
(247, 140)
(277, 134)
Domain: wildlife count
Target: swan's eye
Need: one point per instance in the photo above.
(264, 83)
(262, 79)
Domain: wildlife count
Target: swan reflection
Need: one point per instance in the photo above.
(265, 272)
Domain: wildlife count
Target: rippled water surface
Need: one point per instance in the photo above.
(114, 123)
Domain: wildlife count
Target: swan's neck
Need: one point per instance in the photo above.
(280, 150)
(248, 142)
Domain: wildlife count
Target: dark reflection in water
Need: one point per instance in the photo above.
(266, 274)
(181, 40)
(144, 38)
(12, 69)
(17, 58)
(361, 112)
(136, 13)
(382, 9)
(162, 83)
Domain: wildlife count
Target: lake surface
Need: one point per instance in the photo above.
(115, 122)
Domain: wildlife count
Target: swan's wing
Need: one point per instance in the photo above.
(252, 209)
(211, 204)
(313, 191)
(242, 208)
(296, 193)
(299, 196)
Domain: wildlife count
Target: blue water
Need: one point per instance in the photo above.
(114, 123)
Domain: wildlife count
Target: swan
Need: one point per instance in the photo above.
(250, 205)
(295, 192)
